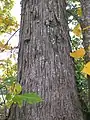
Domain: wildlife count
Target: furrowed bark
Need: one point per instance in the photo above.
(45, 66)
(85, 5)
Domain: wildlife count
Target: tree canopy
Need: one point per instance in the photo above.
(8, 22)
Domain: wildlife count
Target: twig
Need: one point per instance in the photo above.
(75, 16)
(10, 39)
(2, 96)
(9, 113)
(12, 36)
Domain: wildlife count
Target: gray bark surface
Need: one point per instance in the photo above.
(85, 5)
(45, 66)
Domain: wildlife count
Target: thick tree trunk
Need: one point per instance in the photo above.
(45, 66)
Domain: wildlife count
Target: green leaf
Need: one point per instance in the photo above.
(9, 103)
(9, 81)
(8, 97)
(17, 88)
(18, 100)
(31, 98)
(1, 86)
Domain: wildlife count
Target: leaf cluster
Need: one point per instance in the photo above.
(8, 23)
(10, 89)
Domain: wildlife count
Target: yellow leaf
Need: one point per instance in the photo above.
(86, 28)
(1, 20)
(86, 69)
(78, 53)
(79, 12)
(17, 89)
(7, 47)
(11, 88)
(77, 30)
(89, 47)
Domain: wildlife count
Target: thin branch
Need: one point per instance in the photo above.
(75, 16)
(2, 96)
(12, 36)
(10, 39)
(9, 113)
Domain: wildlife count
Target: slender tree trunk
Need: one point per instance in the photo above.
(85, 5)
(86, 33)
(45, 66)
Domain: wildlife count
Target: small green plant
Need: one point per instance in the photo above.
(11, 93)
(11, 90)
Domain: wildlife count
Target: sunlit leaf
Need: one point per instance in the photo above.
(77, 30)
(89, 47)
(78, 53)
(1, 20)
(8, 23)
(17, 88)
(8, 97)
(86, 28)
(11, 88)
(1, 86)
(79, 12)
(9, 81)
(86, 69)
(9, 103)
(18, 100)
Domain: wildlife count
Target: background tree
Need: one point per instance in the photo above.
(85, 25)
(81, 30)
(44, 63)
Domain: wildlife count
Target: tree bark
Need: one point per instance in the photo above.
(45, 66)
(85, 5)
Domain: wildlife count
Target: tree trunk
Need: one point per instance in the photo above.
(85, 4)
(45, 66)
